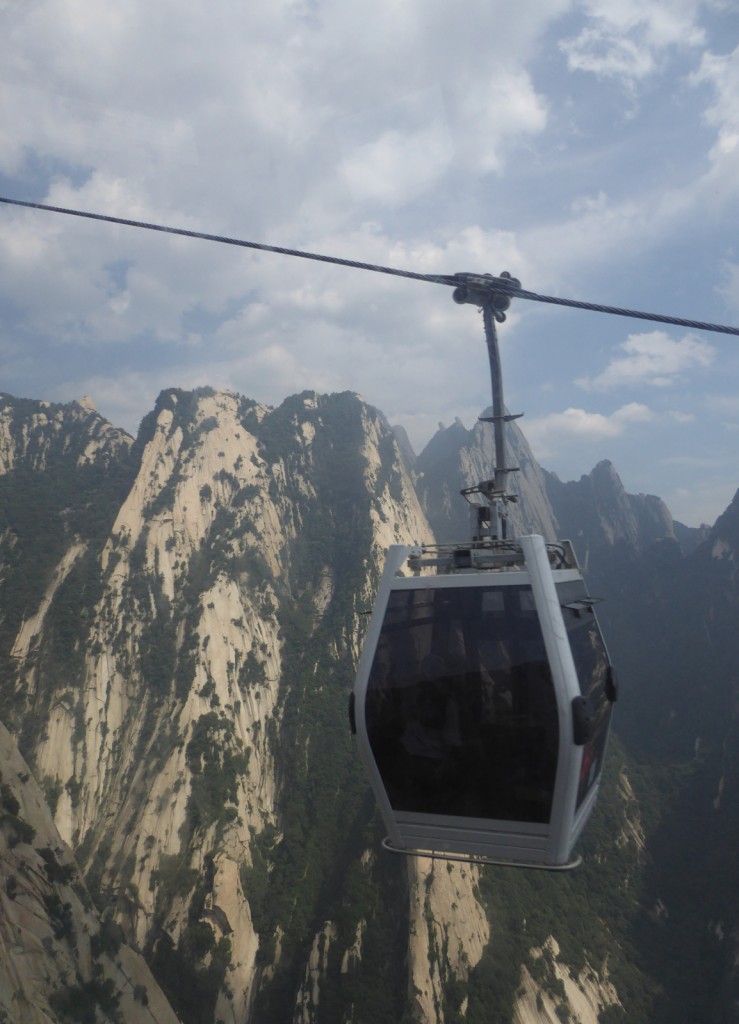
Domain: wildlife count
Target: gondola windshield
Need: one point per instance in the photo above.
(461, 711)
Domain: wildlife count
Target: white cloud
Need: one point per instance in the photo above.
(599, 232)
(397, 167)
(284, 99)
(653, 360)
(604, 53)
(626, 39)
(547, 433)
(721, 73)
(491, 113)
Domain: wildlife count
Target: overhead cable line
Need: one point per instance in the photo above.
(504, 285)
(433, 278)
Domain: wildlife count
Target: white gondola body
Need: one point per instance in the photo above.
(466, 709)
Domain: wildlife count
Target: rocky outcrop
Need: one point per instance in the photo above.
(445, 945)
(37, 435)
(557, 995)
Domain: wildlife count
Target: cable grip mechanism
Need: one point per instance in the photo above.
(484, 289)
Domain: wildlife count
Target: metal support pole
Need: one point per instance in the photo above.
(500, 481)
(489, 521)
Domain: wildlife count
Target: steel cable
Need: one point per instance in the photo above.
(340, 261)
(446, 279)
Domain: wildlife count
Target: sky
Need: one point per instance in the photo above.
(589, 148)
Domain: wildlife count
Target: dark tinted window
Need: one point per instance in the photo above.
(591, 663)
(460, 710)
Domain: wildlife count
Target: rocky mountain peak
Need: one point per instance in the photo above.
(597, 511)
(37, 435)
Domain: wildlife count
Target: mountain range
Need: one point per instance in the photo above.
(185, 830)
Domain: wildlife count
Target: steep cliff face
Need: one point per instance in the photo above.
(58, 959)
(447, 944)
(63, 472)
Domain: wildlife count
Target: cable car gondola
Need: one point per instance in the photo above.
(483, 697)
(483, 702)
